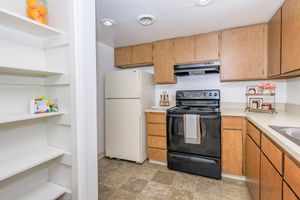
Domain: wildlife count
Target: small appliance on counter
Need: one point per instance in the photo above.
(194, 133)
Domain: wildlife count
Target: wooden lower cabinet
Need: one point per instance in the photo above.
(253, 168)
(232, 151)
(271, 181)
(232, 139)
(156, 136)
(288, 194)
(157, 154)
(292, 174)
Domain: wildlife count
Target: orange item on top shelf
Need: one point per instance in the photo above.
(37, 12)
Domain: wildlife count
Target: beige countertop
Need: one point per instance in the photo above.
(263, 121)
(158, 109)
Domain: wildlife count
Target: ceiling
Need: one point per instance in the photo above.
(176, 18)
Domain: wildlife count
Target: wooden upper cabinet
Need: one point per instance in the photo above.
(244, 53)
(290, 36)
(207, 47)
(133, 56)
(271, 181)
(142, 54)
(123, 56)
(274, 45)
(184, 50)
(253, 167)
(163, 58)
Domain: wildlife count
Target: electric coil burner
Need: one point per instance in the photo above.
(205, 158)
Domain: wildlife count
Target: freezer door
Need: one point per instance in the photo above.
(122, 84)
(123, 129)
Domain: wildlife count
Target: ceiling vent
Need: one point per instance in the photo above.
(146, 20)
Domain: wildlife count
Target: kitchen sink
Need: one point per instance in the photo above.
(293, 133)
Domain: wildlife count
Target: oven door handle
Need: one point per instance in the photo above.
(201, 116)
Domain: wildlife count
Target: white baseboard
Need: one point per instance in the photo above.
(235, 177)
(101, 155)
(158, 162)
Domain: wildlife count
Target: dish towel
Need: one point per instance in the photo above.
(192, 129)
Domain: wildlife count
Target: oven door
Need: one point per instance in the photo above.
(210, 133)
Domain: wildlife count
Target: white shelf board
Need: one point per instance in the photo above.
(8, 118)
(28, 71)
(23, 24)
(27, 160)
(47, 191)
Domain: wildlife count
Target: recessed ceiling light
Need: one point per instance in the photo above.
(203, 2)
(146, 20)
(108, 22)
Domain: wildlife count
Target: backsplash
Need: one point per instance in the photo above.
(230, 92)
(293, 88)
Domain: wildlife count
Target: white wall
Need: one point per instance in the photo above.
(293, 91)
(230, 91)
(105, 62)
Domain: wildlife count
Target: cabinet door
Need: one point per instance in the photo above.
(207, 47)
(290, 35)
(244, 53)
(271, 181)
(163, 56)
(253, 168)
(184, 50)
(232, 151)
(288, 193)
(274, 45)
(123, 56)
(142, 54)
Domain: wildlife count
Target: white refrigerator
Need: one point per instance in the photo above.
(127, 94)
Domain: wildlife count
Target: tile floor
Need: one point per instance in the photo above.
(121, 180)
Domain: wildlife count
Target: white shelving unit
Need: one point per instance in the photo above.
(24, 24)
(35, 149)
(29, 71)
(47, 191)
(9, 118)
(27, 160)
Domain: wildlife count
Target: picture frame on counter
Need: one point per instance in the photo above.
(256, 103)
(252, 90)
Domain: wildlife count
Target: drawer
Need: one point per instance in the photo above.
(157, 154)
(157, 129)
(232, 123)
(288, 193)
(254, 133)
(157, 142)
(292, 175)
(272, 152)
(159, 118)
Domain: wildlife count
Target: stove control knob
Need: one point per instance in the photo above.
(210, 94)
(216, 94)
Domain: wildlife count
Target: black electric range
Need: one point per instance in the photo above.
(204, 158)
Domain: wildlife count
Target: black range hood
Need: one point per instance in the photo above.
(211, 67)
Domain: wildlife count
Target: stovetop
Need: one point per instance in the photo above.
(197, 102)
